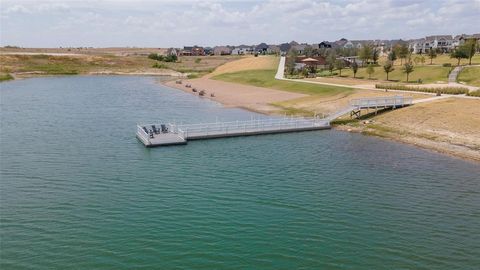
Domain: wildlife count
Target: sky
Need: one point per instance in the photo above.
(149, 23)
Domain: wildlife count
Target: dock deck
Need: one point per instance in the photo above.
(180, 134)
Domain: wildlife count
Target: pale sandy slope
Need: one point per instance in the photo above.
(246, 63)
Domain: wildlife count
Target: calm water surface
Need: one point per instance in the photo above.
(79, 191)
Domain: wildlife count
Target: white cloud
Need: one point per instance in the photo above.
(176, 23)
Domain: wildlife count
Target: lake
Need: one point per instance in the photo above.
(78, 190)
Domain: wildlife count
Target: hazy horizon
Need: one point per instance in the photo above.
(61, 23)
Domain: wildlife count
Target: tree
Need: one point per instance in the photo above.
(459, 53)
(354, 68)
(290, 62)
(375, 55)
(432, 54)
(422, 60)
(308, 51)
(416, 60)
(388, 67)
(340, 64)
(392, 56)
(331, 59)
(370, 70)
(408, 68)
(470, 47)
(366, 53)
(331, 67)
(402, 52)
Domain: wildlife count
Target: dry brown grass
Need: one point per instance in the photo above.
(103, 63)
(449, 125)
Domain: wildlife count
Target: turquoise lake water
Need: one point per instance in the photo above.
(78, 191)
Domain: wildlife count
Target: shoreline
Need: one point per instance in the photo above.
(412, 141)
(443, 148)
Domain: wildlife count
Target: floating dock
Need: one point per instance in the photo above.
(173, 134)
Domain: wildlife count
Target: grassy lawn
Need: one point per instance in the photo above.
(428, 74)
(445, 58)
(265, 78)
(470, 75)
(5, 77)
(439, 60)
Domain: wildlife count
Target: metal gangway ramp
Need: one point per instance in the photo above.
(378, 103)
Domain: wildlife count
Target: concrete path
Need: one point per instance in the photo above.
(452, 77)
(281, 69)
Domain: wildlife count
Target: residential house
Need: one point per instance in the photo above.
(208, 50)
(300, 48)
(273, 49)
(261, 48)
(418, 46)
(173, 51)
(443, 43)
(348, 45)
(222, 50)
(243, 49)
(193, 51)
(325, 44)
(340, 43)
(285, 47)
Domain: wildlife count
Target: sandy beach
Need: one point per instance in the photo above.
(253, 98)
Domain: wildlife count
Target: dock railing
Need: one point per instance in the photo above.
(256, 125)
(394, 101)
(141, 132)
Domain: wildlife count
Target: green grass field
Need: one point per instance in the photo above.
(428, 74)
(266, 78)
(470, 75)
(439, 60)
(5, 77)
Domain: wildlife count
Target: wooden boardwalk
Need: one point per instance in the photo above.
(172, 134)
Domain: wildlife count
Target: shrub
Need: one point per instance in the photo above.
(155, 56)
(475, 93)
(442, 90)
(158, 57)
(198, 60)
(171, 58)
(446, 64)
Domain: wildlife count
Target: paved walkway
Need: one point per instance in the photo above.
(452, 77)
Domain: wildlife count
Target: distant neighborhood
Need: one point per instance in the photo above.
(440, 43)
